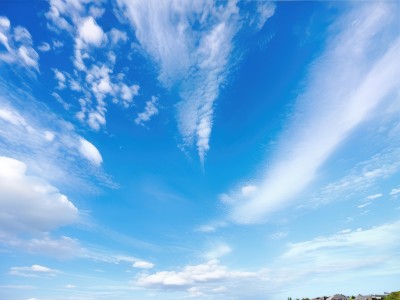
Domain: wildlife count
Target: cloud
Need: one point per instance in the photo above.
(265, 11)
(217, 251)
(47, 144)
(360, 253)
(150, 110)
(348, 69)
(17, 42)
(358, 180)
(376, 244)
(93, 81)
(32, 271)
(278, 235)
(364, 205)
(62, 247)
(117, 36)
(196, 58)
(62, 14)
(143, 265)
(212, 226)
(30, 203)
(91, 33)
(44, 47)
(90, 152)
(60, 77)
(394, 192)
(191, 275)
(374, 196)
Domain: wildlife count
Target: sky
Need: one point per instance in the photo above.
(196, 149)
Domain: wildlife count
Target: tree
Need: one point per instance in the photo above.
(393, 296)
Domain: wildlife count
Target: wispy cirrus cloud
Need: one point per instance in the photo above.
(18, 46)
(192, 43)
(52, 152)
(352, 77)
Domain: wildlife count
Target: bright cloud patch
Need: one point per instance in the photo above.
(90, 152)
(91, 33)
(29, 203)
(143, 265)
(150, 110)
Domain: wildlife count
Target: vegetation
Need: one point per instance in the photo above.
(393, 296)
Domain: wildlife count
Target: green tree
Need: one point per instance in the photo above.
(393, 296)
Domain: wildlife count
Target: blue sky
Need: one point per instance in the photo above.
(210, 150)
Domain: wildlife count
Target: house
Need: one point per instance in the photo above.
(337, 297)
(320, 298)
(374, 297)
(369, 297)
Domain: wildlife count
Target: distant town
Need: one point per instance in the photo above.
(385, 296)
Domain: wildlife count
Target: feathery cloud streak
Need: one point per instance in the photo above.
(192, 43)
(359, 69)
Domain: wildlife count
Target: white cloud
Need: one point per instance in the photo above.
(394, 192)
(63, 13)
(17, 42)
(218, 250)
(265, 11)
(194, 59)
(150, 110)
(49, 136)
(29, 203)
(323, 125)
(60, 77)
(191, 275)
(70, 286)
(90, 152)
(4, 22)
(364, 205)
(279, 235)
(44, 47)
(374, 196)
(32, 271)
(13, 117)
(383, 237)
(127, 93)
(61, 100)
(29, 57)
(359, 253)
(47, 144)
(143, 265)
(357, 181)
(212, 226)
(117, 36)
(91, 33)
(93, 77)
(43, 244)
